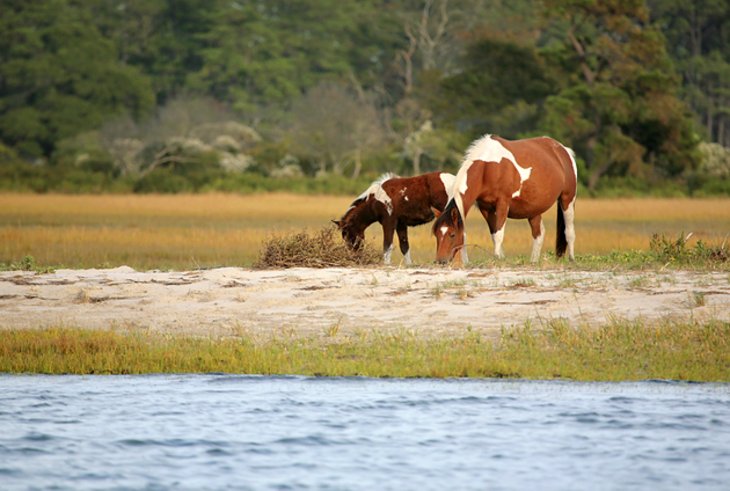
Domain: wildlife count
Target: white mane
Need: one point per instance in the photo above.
(376, 185)
(376, 189)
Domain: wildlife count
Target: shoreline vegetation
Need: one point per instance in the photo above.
(620, 350)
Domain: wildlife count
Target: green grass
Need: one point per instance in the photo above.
(620, 350)
(27, 263)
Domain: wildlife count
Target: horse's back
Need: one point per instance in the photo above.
(414, 197)
(551, 174)
(551, 163)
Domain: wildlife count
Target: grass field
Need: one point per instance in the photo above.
(621, 350)
(194, 231)
(199, 231)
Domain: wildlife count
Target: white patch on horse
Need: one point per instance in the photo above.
(537, 244)
(387, 254)
(448, 181)
(376, 189)
(497, 239)
(569, 217)
(486, 149)
(443, 230)
(408, 258)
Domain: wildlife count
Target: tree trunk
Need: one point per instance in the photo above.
(710, 121)
(417, 162)
(358, 164)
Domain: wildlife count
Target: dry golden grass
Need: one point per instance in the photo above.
(191, 231)
(323, 249)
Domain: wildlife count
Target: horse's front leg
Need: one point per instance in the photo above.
(538, 236)
(388, 230)
(496, 220)
(405, 248)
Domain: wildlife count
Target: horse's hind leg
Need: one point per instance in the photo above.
(569, 217)
(403, 242)
(538, 236)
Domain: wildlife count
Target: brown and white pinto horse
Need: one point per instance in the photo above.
(511, 179)
(396, 203)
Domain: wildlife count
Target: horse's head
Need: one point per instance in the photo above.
(353, 236)
(449, 231)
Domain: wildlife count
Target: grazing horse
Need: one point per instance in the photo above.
(397, 203)
(511, 179)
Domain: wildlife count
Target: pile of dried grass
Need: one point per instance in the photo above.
(321, 249)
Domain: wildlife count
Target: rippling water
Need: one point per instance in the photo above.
(248, 432)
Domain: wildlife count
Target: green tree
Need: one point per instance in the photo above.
(268, 53)
(499, 89)
(618, 104)
(59, 76)
(698, 34)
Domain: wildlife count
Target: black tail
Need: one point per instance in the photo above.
(561, 243)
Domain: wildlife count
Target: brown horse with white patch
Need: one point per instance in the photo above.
(396, 203)
(518, 179)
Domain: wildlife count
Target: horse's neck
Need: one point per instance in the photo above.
(363, 215)
(473, 189)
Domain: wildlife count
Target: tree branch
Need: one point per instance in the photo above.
(588, 74)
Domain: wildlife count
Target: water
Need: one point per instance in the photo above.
(248, 432)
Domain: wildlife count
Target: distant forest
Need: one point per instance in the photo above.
(323, 95)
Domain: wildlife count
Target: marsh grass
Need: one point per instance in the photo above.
(201, 231)
(620, 350)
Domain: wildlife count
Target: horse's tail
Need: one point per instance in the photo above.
(561, 242)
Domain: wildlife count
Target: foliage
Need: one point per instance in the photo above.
(618, 107)
(697, 38)
(103, 95)
(712, 177)
(676, 250)
(510, 105)
(334, 127)
(60, 76)
(28, 263)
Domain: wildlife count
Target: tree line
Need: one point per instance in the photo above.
(188, 95)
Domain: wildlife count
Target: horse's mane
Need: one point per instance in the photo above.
(474, 151)
(372, 189)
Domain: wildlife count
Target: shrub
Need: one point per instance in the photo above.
(322, 249)
(676, 250)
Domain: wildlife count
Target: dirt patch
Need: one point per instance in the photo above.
(304, 301)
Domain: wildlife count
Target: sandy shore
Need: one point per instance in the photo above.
(230, 301)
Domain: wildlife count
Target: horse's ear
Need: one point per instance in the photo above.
(455, 215)
(436, 211)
